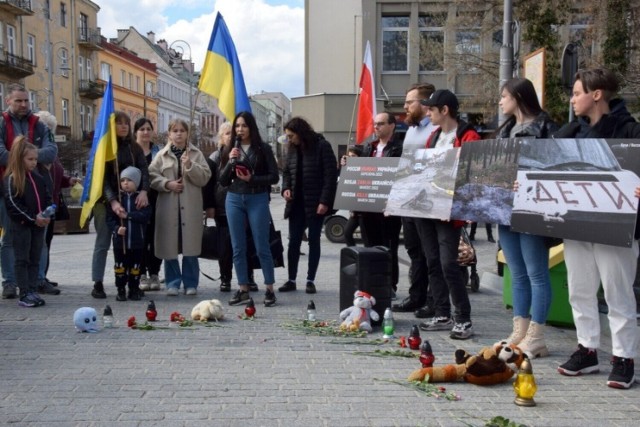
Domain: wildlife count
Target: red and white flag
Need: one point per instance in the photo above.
(367, 105)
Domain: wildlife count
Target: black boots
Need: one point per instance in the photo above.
(98, 291)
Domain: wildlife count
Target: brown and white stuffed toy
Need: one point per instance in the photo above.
(492, 365)
(208, 310)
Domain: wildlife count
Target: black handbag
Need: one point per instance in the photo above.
(275, 242)
(62, 210)
(211, 241)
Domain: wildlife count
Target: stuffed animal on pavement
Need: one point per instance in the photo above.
(85, 319)
(208, 310)
(492, 365)
(359, 316)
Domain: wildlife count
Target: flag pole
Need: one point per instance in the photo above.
(353, 115)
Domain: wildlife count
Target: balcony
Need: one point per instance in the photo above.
(90, 89)
(89, 38)
(16, 7)
(15, 66)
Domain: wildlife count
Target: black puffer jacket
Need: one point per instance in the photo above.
(541, 127)
(264, 172)
(617, 124)
(129, 154)
(214, 194)
(320, 175)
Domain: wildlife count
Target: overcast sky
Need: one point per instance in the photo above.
(268, 34)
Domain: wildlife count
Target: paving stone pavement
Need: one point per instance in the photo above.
(259, 373)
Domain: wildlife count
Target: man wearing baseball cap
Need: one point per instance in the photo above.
(440, 238)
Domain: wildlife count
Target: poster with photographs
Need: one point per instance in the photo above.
(365, 183)
(579, 189)
(424, 184)
(484, 184)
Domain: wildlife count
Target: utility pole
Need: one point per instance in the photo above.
(506, 51)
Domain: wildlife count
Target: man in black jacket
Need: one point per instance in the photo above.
(309, 182)
(377, 229)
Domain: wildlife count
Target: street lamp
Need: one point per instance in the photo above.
(176, 51)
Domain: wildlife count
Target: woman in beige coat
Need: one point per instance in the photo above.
(178, 172)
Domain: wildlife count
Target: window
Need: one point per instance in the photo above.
(82, 122)
(580, 33)
(395, 43)
(105, 71)
(84, 27)
(33, 101)
(81, 67)
(123, 78)
(1, 90)
(11, 40)
(468, 43)
(65, 112)
(63, 66)
(137, 88)
(431, 27)
(31, 48)
(89, 70)
(89, 109)
(63, 15)
(130, 81)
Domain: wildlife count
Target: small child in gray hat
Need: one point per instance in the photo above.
(128, 231)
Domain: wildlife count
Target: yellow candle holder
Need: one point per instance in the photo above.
(525, 385)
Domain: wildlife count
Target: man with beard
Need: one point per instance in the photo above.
(419, 299)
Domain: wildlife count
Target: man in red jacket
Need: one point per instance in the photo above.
(440, 238)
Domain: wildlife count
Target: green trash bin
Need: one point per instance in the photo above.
(560, 311)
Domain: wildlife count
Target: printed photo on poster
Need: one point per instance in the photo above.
(424, 187)
(484, 184)
(577, 189)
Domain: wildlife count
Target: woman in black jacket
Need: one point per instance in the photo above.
(527, 255)
(249, 174)
(309, 182)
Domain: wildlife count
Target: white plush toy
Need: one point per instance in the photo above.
(208, 310)
(360, 315)
(86, 319)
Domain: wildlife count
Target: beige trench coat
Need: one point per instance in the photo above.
(185, 207)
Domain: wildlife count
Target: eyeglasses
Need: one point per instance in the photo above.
(380, 123)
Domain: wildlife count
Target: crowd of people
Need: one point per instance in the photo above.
(154, 200)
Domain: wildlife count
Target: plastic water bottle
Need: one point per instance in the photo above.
(49, 212)
(388, 327)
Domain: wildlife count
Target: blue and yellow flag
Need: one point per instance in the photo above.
(221, 75)
(103, 149)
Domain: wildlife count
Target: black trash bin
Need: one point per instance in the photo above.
(368, 270)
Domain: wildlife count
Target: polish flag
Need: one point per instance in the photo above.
(367, 105)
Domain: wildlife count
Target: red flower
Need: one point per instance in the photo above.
(132, 322)
(176, 317)
(403, 342)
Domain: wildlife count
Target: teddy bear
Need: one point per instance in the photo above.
(208, 310)
(359, 316)
(492, 365)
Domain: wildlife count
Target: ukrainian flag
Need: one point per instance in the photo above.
(221, 75)
(104, 149)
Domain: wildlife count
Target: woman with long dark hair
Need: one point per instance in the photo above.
(309, 181)
(249, 174)
(527, 255)
(150, 267)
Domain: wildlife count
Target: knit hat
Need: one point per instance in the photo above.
(133, 174)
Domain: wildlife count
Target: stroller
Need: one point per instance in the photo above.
(467, 260)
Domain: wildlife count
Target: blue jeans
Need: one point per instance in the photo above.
(528, 260)
(298, 222)
(7, 257)
(253, 208)
(102, 244)
(189, 275)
